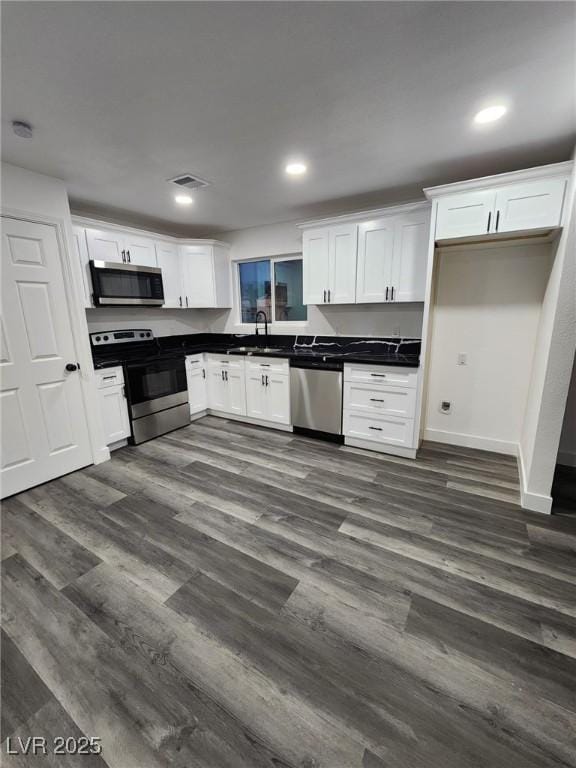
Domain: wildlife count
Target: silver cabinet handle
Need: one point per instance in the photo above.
(497, 219)
(392, 294)
(489, 217)
(123, 256)
(128, 255)
(226, 375)
(180, 300)
(379, 375)
(386, 293)
(376, 400)
(324, 295)
(376, 429)
(328, 295)
(203, 373)
(186, 300)
(262, 379)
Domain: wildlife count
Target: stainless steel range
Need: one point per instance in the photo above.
(156, 387)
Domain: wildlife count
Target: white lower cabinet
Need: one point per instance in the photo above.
(196, 379)
(380, 406)
(268, 390)
(113, 405)
(226, 384)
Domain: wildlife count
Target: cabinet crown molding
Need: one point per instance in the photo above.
(86, 222)
(554, 170)
(375, 213)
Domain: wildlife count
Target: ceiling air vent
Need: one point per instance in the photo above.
(189, 181)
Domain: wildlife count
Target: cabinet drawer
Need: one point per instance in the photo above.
(194, 361)
(378, 428)
(381, 374)
(268, 365)
(232, 362)
(394, 401)
(109, 377)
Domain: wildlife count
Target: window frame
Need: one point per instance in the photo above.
(272, 261)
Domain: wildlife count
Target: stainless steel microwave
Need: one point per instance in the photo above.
(127, 285)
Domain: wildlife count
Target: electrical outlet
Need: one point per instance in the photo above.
(445, 406)
(462, 358)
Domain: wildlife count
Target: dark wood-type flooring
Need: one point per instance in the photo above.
(233, 597)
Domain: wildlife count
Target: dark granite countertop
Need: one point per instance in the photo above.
(381, 351)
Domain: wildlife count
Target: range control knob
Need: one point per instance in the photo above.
(97, 338)
(148, 334)
(105, 338)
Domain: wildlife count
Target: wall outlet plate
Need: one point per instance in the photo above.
(445, 406)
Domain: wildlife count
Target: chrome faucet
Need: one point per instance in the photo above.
(261, 312)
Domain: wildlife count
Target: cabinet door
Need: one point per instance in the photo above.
(316, 266)
(410, 257)
(105, 245)
(531, 205)
(196, 378)
(470, 213)
(236, 391)
(198, 276)
(168, 259)
(216, 389)
(81, 248)
(256, 395)
(140, 250)
(277, 398)
(343, 249)
(375, 257)
(114, 413)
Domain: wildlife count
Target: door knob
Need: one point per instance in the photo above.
(72, 367)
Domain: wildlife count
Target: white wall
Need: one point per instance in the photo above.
(347, 320)
(35, 196)
(487, 305)
(554, 354)
(567, 452)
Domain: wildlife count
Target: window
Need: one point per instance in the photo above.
(281, 305)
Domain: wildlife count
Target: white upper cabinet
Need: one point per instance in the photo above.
(140, 250)
(316, 266)
(464, 215)
(205, 276)
(517, 202)
(531, 205)
(411, 237)
(122, 247)
(392, 256)
(329, 255)
(169, 260)
(105, 245)
(342, 251)
(375, 258)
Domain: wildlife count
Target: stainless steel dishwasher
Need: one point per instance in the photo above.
(316, 395)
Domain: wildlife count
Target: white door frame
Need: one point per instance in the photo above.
(71, 272)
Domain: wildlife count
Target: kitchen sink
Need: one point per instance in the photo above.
(255, 350)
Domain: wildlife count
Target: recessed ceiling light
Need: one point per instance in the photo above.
(183, 199)
(490, 114)
(296, 169)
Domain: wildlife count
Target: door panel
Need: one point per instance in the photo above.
(278, 399)
(343, 250)
(375, 257)
(236, 392)
(104, 245)
(470, 213)
(255, 395)
(196, 389)
(114, 411)
(45, 433)
(140, 250)
(169, 261)
(198, 271)
(531, 205)
(411, 257)
(217, 394)
(316, 266)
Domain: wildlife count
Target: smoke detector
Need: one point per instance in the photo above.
(22, 129)
(189, 181)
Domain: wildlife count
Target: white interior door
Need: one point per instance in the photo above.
(44, 427)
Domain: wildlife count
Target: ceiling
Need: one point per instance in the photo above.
(378, 97)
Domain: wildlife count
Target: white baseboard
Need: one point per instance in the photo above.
(368, 445)
(567, 458)
(536, 502)
(250, 420)
(117, 444)
(471, 441)
(100, 455)
(198, 415)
